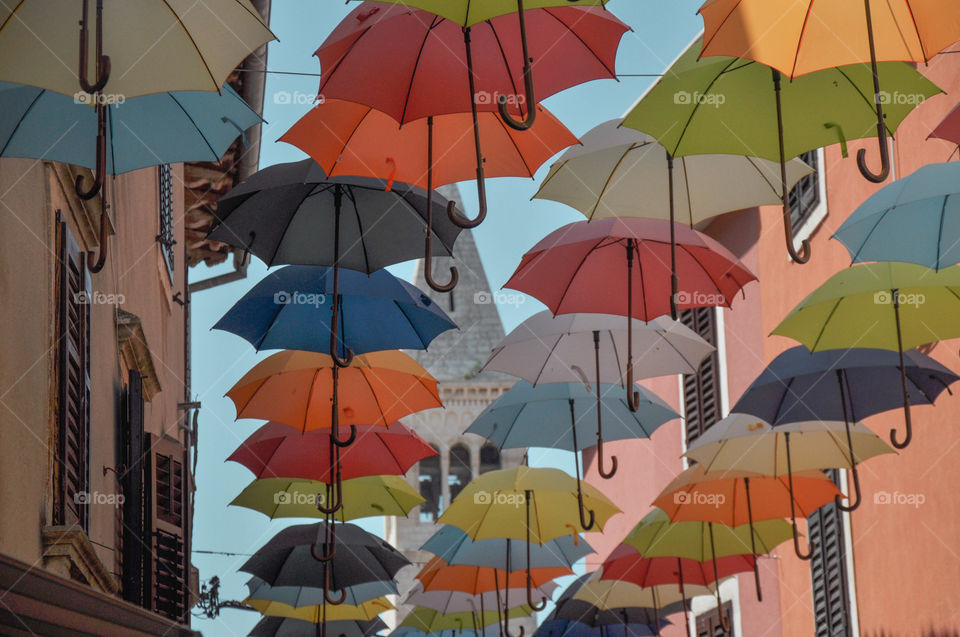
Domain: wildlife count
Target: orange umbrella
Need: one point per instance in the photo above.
(799, 37)
(350, 139)
(437, 575)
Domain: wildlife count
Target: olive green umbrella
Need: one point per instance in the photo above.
(885, 305)
(734, 106)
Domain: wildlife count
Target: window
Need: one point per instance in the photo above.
(828, 570)
(701, 391)
(166, 236)
(709, 624)
(489, 458)
(460, 473)
(805, 196)
(430, 489)
(167, 577)
(73, 383)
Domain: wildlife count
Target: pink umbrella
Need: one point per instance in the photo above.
(585, 266)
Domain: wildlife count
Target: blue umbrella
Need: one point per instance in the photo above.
(841, 384)
(291, 308)
(915, 219)
(528, 416)
(454, 546)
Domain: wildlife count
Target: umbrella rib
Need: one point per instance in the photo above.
(346, 142)
(803, 32)
(566, 288)
(823, 327)
(112, 149)
(867, 101)
(214, 155)
(21, 119)
(413, 327)
(616, 357)
(416, 68)
(10, 17)
(376, 399)
(773, 188)
(273, 321)
(696, 106)
(943, 214)
(707, 43)
(606, 183)
(196, 48)
(913, 19)
(612, 72)
(546, 359)
(686, 187)
(363, 244)
(523, 159)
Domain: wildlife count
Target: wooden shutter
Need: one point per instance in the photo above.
(828, 570)
(701, 391)
(166, 580)
(73, 379)
(132, 547)
(708, 624)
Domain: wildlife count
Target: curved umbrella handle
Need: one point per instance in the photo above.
(585, 522)
(100, 166)
(455, 217)
(855, 502)
(793, 512)
(606, 475)
(529, 99)
(350, 439)
(103, 61)
(337, 299)
(527, 496)
(881, 125)
(337, 487)
(895, 298)
(96, 263)
(326, 556)
(428, 241)
(804, 255)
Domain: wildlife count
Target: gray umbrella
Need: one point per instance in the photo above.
(289, 627)
(298, 596)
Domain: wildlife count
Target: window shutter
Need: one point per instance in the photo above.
(73, 408)
(166, 580)
(165, 198)
(828, 570)
(131, 546)
(701, 391)
(805, 196)
(709, 625)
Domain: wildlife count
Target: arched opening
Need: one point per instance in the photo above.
(489, 458)
(460, 473)
(430, 488)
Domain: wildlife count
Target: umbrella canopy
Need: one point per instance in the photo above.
(322, 613)
(559, 349)
(291, 308)
(154, 46)
(429, 620)
(286, 627)
(612, 594)
(454, 546)
(277, 451)
(287, 214)
(350, 139)
(581, 612)
(618, 171)
(437, 575)
(298, 596)
(164, 128)
(499, 504)
(295, 388)
(628, 565)
(288, 558)
(528, 416)
(915, 219)
(467, 13)
(456, 601)
(949, 128)
(370, 496)
(421, 62)
(571, 628)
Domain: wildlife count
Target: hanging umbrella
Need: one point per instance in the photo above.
(613, 596)
(615, 167)
(432, 72)
(291, 308)
(286, 627)
(797, 38)
(371, 496)
(580, 268)
(734, 498)
(888, 306)
(516, 420)
(949, 127)
(571, 628)
(275, 450)
(731, 105)
(841, 384)
(457, 601)
(454, 546)
(322, 613)
(915, 219)
(430, 621)
(746, 443)
(349, 139)
(298, 596)
(437, 575)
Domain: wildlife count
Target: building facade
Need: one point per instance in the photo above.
(887, 568)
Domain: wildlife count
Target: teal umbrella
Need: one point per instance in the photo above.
(914, 220)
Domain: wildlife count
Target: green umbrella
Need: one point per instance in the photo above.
(730, 105)
(892, 306)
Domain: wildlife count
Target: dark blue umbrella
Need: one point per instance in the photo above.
(841, 384)
(572, 628)
(289, 627)
(292, 308)
(454, 546)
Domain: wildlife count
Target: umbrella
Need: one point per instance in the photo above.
(429, 620)
(371, 496)
(888, 306)
(557, 349)
(847, 384)
(746, 443)
(914, 220)
(275, 450)
(284, 213)
(291, 308)
(320, 614)
(579, 268)
(580, 612)
(949, 127)
(516, 419)
(457, 601)
(730, 105)
(801, 37)
(286, 627)
(298, 596)
(349, 139)
(437, 575)
(613, 595)
(454, 546)
(571, 628)
(615, 167)
(734, 498)
(431, 69)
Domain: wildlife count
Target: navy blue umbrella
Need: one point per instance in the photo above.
(841, 384)
(292, 308)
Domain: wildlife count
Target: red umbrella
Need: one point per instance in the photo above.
(411, 64)
(278, 451)
(585, 266)
(949, 128)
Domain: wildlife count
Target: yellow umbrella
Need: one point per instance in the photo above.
(322, 613)
(607, 594)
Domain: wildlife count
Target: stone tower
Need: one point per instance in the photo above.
(454, 358)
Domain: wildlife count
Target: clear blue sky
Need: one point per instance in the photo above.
(514, 224)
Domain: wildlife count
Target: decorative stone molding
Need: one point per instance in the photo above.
(68, 553)
(136, 353)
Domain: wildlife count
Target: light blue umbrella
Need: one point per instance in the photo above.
(163, 128)
(454, 546)
(915, 220)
